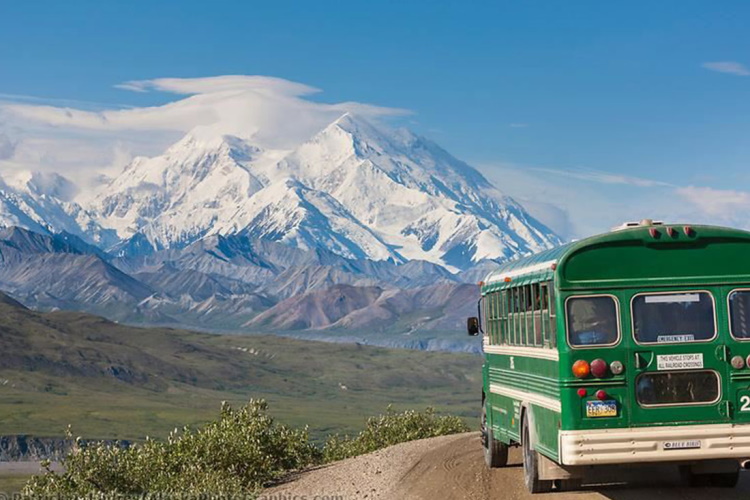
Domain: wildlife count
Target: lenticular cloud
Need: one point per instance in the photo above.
(273, 112)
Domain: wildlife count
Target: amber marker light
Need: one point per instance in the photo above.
(581, 369)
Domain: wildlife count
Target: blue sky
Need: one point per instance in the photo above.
(626, 101)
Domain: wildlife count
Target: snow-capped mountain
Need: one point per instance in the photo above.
(358, 228)
(44, 202)
(356, 189)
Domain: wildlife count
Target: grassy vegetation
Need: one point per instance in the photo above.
(392, 428)
(13, 484)
(238, 454)
(114, 381)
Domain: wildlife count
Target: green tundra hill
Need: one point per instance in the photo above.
(112, 381)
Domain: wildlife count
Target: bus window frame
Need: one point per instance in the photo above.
(729, 314)
(719, 381)
(674, 292)
(617, 313)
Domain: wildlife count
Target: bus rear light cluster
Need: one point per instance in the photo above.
(599, 368)
(581, 369)
(616, 367)
(738, 363)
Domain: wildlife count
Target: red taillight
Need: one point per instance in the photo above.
(653, 232)
(582, 392)
(581, 369)
(599, 368)
(687, 230)
(601, 395)
(671, 232)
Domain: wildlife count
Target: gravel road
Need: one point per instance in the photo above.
(452, 467)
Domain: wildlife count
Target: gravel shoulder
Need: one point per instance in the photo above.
(452, 467)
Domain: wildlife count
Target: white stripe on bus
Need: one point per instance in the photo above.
(529, 352)
(528, 397)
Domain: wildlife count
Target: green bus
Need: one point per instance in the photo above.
(630, 347)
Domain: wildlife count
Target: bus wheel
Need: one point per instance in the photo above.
(495, 452)
(531, 465)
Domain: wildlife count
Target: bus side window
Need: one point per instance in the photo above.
(492, 316)
(552, 314)
(503, 315)
(495, 321)
(525, 314)
(536, 301)
(544, 314)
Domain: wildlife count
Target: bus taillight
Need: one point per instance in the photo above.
(601, 395)
(599, 368)
(581, 369)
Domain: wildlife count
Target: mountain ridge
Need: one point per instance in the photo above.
(219, 233)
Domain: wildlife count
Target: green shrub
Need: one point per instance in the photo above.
(392, 428)
(236, 454)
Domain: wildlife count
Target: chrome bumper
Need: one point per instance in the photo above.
(647, 444)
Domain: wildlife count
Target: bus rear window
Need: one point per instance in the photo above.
(592, 321)
(677, 388)
(673, 317)
(739, 314)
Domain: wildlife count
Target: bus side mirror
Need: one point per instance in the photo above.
(472, 325)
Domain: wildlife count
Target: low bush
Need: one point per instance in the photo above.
(392, 428)
(237, 454)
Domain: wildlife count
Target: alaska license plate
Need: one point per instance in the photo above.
(601, 408)
(681, 445)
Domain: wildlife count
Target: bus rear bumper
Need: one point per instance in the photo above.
(654, 444)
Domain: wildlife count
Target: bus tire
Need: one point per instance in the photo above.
(495, 452)
(531, 465)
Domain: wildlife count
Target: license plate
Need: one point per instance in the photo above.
(681, 445)
(601, 408)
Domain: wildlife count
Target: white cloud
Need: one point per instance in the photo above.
(720, 206)
(578, 203)
(604, 177)
(731, 67)
(84, 141)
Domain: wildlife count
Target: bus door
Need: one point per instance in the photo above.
(679, 368)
